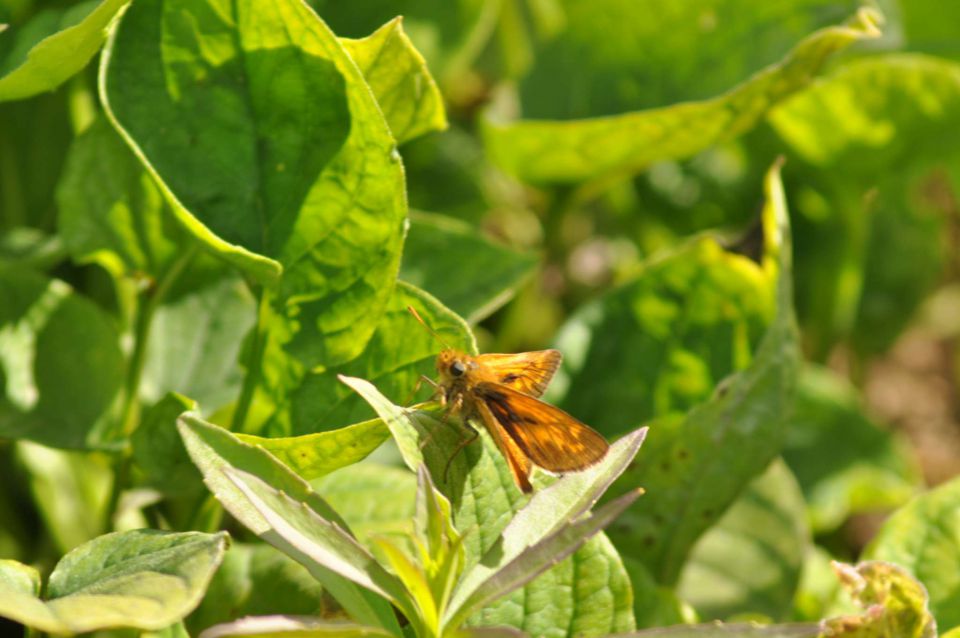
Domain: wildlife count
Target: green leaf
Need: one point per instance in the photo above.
(19, 578)
(158, 449)
(314, 455)
(301, 186)
(110, 210)
(400, 351)
(291, 627)
(846, 463)
(482, 492)
(52, 60)
(581, 150)
(452, 261)
(750, 560)
(256, 579)
(697, 464)
(71, 491)
(372, 498)
(60, 364)
(923, 537)
(31, 247)
(399, 78)
(215, 450)
(144, 579)
(196, 339)
(867, 194)
(297, 530)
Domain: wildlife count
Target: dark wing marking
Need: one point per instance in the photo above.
(517, 461)
(552, 439)
(527, 372)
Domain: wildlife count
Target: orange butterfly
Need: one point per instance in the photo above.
(502, 390)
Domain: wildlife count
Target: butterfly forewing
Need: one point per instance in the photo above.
(550, 437)
(517, 461)
(526, 372)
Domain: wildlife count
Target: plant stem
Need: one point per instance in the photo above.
(254, 363)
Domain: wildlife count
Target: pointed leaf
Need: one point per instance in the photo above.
(372, 498)
(399, 78)
(158, 449)
(314, 455)
(52, 60)
(581, 150)
(484, 497)
(214, 450)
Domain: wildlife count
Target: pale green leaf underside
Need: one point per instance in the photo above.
(582, 150)
(291, 627)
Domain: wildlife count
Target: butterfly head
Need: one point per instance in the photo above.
(454, 366)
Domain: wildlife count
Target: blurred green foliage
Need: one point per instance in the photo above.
(723, 213)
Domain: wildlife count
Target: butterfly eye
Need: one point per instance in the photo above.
(457, 368)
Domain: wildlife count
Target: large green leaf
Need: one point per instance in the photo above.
(923, 536)
(485, 500)
(60, 363)
(215, 450)
(697, 464)
(454, 262)
(256, 579)
(143, 579)
(158, 449)
(302, 185)
(750, 560)
(846, 463)
(52, 51)
(398, 76)
(581, 150)
(870, 142)
(400, 351)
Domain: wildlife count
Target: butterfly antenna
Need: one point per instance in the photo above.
(417, 316)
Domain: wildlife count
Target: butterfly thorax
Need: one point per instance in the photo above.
(459, 372)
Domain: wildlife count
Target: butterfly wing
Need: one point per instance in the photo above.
(547, 435)
(517, 461)
(526, 372)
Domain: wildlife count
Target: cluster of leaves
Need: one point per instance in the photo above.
(207, 254)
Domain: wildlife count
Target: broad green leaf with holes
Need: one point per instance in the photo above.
(303, 189)
(846, 464)
(581, 150)
(452, 261)
(923, 537)
(398, 76)
(55, 50)
(60, 364)
(750, 560)
(214, 450)
(484, 498)
(142, 579)
(698, 463)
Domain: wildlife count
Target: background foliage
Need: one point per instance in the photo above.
(736, 219)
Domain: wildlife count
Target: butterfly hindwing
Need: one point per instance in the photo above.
(547, 435)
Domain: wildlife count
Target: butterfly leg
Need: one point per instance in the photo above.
(463, 443)
(419, 384)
